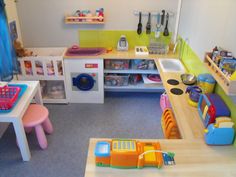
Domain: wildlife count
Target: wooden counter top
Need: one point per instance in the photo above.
(187, 117)
(193, 158)
(130, 54)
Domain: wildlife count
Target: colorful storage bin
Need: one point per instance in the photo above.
(117, 64)
(116, 79)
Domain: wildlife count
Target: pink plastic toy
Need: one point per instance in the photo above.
(164, 102)
(36, 116)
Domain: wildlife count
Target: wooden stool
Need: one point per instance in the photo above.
(36, 116)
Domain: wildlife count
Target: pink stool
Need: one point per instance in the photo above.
(36, 116)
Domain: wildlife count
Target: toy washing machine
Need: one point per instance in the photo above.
(84, 79)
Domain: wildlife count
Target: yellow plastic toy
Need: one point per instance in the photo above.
(128, 154)
(206, 82)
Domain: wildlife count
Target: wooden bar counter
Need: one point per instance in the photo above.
(193, 157)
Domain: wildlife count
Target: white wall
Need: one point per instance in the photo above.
(209, 23)
(13, 16)
(42, 21)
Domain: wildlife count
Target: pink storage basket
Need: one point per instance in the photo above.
(8, 96)
(164, 102)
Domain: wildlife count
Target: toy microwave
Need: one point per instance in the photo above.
(211, 106)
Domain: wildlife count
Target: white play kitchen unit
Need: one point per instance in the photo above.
(88, 77)
(66, 78)
(81, 75)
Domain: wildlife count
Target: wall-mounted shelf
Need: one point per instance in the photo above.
(84, 20)
(227, 85)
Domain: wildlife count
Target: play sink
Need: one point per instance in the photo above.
(171, 65)
(82, 51)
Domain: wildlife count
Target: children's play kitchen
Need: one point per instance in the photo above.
(197, 124)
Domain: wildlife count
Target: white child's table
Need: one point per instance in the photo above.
(15, 116)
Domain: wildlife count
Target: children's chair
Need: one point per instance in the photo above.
(36, 116)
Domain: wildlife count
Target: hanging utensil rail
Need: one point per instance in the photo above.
(153, 13)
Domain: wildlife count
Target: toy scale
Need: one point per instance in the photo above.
(128, 154)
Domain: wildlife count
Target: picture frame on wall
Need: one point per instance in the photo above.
(13, 30)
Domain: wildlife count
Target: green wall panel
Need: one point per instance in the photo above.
(192, 61)
(106, 38)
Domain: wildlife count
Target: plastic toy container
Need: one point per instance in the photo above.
(143, 64)
(206, 82)
(117, 79)
(116, 64)
(8, 96)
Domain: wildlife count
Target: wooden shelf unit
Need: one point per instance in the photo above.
(227, 85)
(132, 71)
(84, 20)
(138, 87)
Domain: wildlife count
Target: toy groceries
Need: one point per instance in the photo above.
(128, 154)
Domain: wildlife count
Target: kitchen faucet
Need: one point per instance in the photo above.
(179, 40)
(181, 48)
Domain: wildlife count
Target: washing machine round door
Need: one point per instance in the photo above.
(84, 82)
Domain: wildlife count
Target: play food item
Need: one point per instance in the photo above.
(109, 49)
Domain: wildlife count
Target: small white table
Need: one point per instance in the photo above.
(15, 116)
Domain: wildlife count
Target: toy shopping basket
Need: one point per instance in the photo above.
(8, 96)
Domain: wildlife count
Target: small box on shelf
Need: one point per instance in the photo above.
(117, 79)
(116, 64)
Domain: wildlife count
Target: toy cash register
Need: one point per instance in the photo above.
(127, 154)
